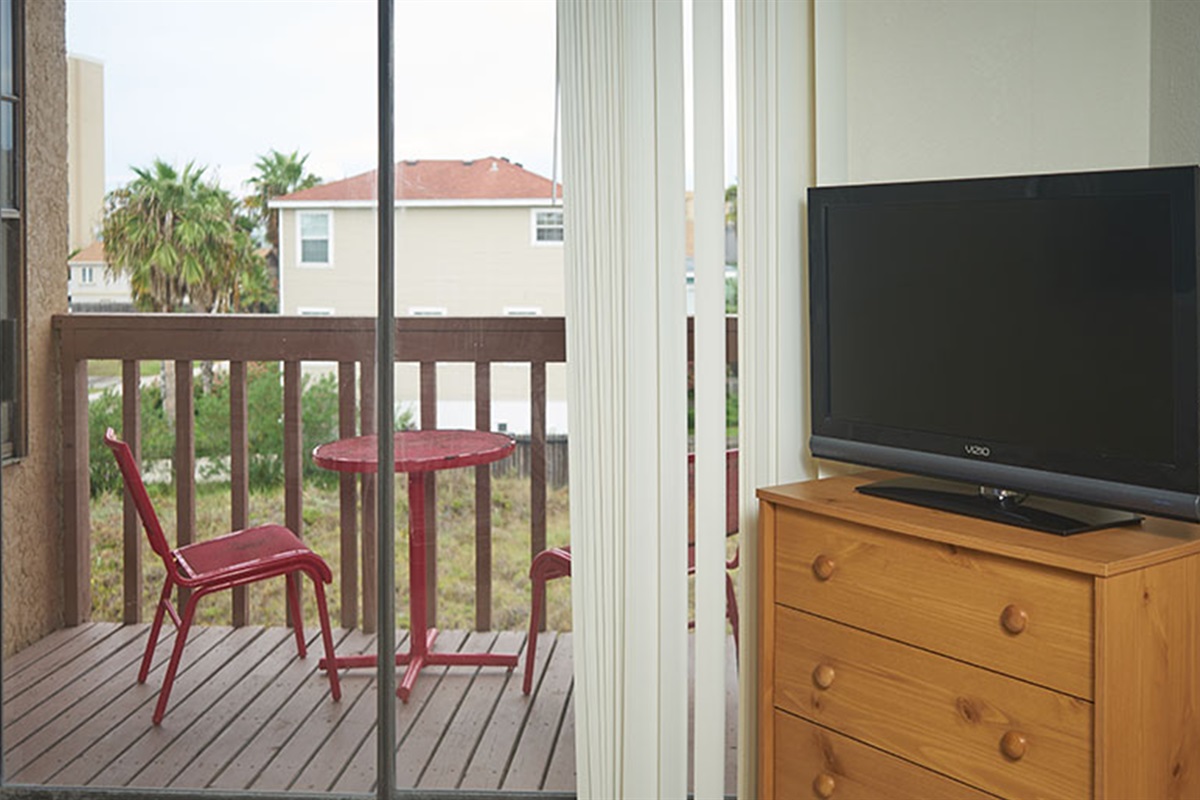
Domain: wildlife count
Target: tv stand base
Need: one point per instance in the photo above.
(1059, 517)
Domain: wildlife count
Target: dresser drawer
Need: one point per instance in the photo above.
(812, 762)
(999, 734)
(1021, 619)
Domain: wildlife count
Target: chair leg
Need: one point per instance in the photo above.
(547, 565)
(155, 629)
(537, 580)
(335, 686)
(731, 612)
(293, 600)
(176, 653)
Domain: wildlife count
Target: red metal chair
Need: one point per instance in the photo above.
(555, 562)
(235, 559)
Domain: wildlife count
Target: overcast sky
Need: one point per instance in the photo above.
(221, 82)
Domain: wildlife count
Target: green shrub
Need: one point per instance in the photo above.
(264, 399)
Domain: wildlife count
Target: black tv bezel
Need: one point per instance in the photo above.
(1160, 489)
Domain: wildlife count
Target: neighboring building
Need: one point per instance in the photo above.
(85, 150)
(90, 288)
(473, 238)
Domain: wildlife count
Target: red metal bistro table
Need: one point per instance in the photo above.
(417, 453)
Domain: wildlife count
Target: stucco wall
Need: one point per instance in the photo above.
(33, 587)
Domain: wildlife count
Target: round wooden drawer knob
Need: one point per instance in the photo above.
(1014, 619)
(1014, 745)
(823, 676)
(823, 567)
(824, 784)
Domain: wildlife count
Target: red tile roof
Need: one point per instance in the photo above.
(92, 254)
(481, 179)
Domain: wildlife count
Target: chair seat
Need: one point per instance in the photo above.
(251, 550)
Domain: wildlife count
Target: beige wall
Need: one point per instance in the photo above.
(1175, 82)
(33, 585)
(941, 88)
(470, 261)
(85, 148)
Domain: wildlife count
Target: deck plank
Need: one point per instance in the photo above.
(560, 776)
(90, 766)
(325, 718)
(462, 734)
(359, 774)
(160, 748)
(416, 747)
(69, 654)
(123, 650)
(539, 735)
(247, 713)
(216, 710)
(42, 648)
(495, 749)
(95, 719)
(241, 733)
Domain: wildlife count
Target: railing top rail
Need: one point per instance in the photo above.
(262, 337)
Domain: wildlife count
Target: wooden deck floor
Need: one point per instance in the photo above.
(246, 713)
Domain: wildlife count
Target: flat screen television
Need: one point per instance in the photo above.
(1013, 342)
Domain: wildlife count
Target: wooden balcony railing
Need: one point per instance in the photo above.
(350, 342)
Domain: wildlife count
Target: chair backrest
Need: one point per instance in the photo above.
(137, 489)
(733, 510)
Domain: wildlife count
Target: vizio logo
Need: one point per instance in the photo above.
(977, 450)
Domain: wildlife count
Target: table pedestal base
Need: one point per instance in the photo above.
(419, 657)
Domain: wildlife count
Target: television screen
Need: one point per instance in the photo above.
(1033, 333)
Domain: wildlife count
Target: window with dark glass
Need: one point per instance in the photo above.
(11, 236)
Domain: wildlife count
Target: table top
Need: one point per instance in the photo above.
(416, 451)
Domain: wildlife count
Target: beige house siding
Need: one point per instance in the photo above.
(33, 584)
(468, 260)
(471, 261)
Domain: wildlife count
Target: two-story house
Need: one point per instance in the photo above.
(474, 238)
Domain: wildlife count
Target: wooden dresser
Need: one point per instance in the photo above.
(912, 653)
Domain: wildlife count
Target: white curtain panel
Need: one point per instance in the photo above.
(708, 748)
(775, 166)
(623, 171)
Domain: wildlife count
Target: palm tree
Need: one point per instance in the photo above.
(182, 241)
(278, 174)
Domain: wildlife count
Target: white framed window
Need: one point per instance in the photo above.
(426, 311)
(315, 236)
(87, 276)
(547, 226)
(522, 311)
(314, 311)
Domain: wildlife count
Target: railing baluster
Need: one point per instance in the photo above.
(185, 462)
(370, 540)
(131, 432)
(483, 503)
(77, 547)
(348, 499)
(239, 473)
(537, 466)
(428, 423)
(293, 464)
